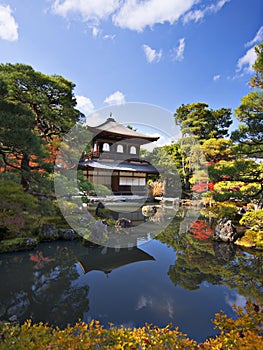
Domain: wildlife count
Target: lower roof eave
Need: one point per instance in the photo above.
(125, 166)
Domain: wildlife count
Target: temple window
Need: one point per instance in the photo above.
(133, 150)
(106, 147)
(120, 148)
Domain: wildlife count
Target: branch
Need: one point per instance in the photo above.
(7, 163)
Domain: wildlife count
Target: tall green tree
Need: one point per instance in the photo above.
(218, 149)
(36, 110)
(204, 123)
(250, 113)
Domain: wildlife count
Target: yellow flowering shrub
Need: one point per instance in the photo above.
(245, 332)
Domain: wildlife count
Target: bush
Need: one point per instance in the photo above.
(221, 210)
(19, 211)
(253, 237)
(253, 219)
(224, 190)
(156, 188)
(245, 332)
(15, 244)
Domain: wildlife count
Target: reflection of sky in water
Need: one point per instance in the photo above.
(233, 298)
(143, 292)
(131, 295)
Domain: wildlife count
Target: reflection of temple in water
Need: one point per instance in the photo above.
(108, 259)
(136, 217)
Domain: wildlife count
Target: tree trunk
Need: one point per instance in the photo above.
(25, 171)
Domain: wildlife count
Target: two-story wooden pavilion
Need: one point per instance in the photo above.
(114, 159)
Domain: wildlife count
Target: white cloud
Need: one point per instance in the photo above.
(95, 31)
(196, 15)
(245, 63)
(8, 25)
(178, 52)
(257, 38)
(109, 36)
(151, 54)
(136, 15)
(216, 77)
(87, 10)
(85, 105)
(217, 7)
(117, 98)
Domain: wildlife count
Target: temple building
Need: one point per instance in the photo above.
(114, 159)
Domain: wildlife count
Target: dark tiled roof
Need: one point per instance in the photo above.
(125, 166)
(112, 127)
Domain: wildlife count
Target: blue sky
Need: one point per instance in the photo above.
(161, 52)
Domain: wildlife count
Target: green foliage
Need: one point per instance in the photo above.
(35, 111)
(250, 190)
(19, 211)
(250, 132)
(224, 190)
(87, 188)
(257, 80)
(101, 190)
(17, 124)
(250, 113)
(200, 259)
(92, 336)
(50, 97)
(253, 237)
(218, 149)
(253, 219)
(221, 210)
(240, 179)
(15, 244)
(244, 332)
(198, 120)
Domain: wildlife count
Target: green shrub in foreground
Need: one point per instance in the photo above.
(245, 332)
(253, 236)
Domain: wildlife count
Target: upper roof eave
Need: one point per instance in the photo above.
(110, 126)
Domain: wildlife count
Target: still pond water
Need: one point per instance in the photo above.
(181, 279)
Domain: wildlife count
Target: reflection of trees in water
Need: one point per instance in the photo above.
(199, 259)
(45, 290)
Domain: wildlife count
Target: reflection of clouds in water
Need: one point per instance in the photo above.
(235, 299)
(170, 309)
(143, 302)
(154, 303)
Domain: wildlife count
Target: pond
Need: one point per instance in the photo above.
(178, 278)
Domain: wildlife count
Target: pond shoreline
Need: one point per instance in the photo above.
(50, 232)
